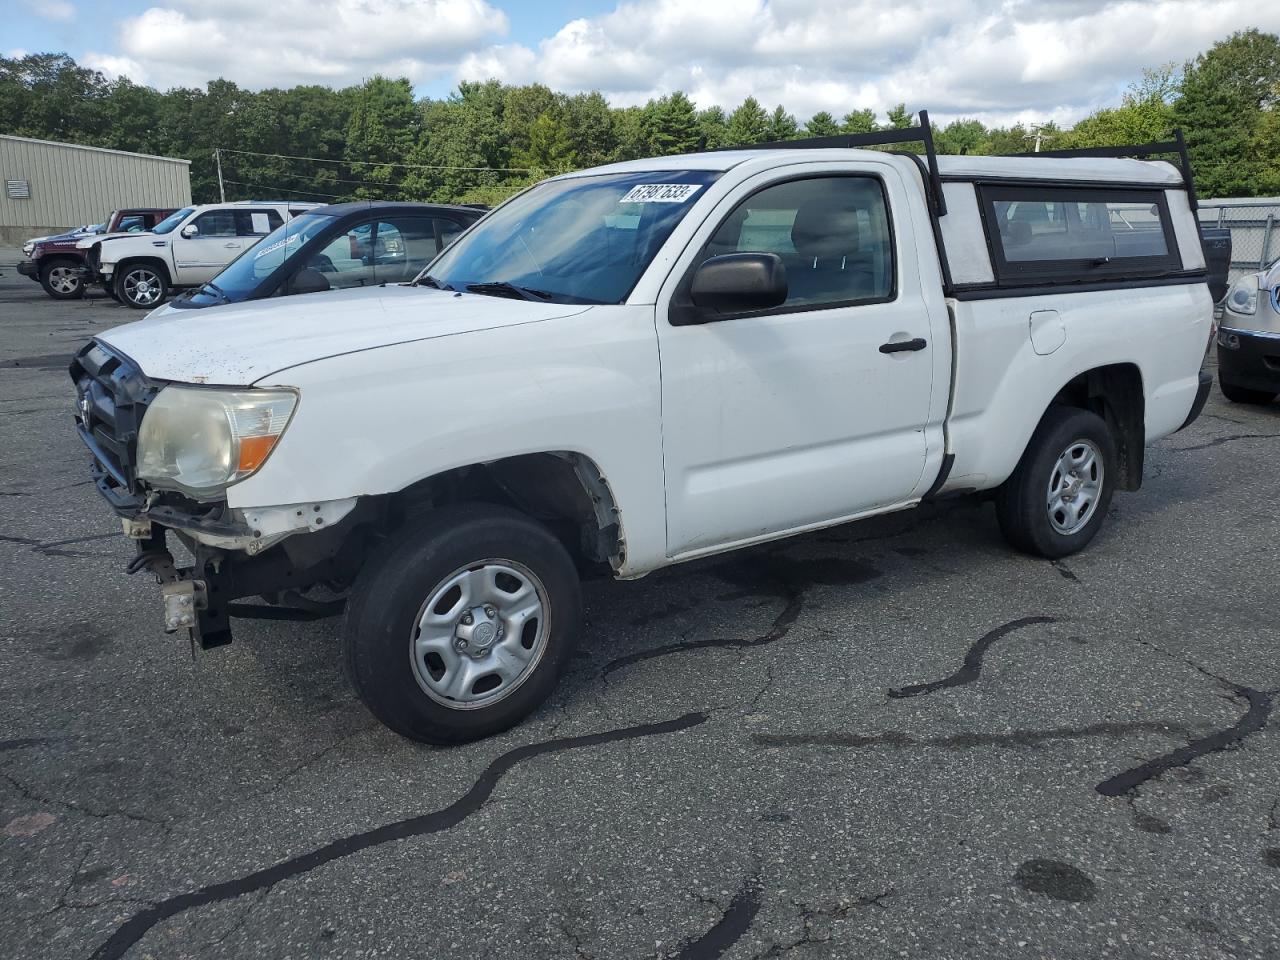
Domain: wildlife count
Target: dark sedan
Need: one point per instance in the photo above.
(362, 243)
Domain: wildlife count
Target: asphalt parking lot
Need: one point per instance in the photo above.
(894, 739)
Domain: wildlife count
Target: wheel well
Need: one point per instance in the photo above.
(564, 490)
(149, 261)
(50, 260)
(1114, 393)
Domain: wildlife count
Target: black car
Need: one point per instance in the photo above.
(362, 243)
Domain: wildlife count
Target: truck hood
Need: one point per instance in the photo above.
(94, 239)
(242, 343)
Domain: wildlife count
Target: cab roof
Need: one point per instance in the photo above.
(1093, 169)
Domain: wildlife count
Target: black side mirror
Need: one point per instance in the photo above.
(737, 283)
(307, 280)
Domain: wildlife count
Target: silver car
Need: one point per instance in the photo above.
(1249, 338)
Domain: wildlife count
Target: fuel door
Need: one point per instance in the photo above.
(1048, 332)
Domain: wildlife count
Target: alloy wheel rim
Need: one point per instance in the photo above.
(142, 286)
(480, 634)
(1075, 486)
(63, 280)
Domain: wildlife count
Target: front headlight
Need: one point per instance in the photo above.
(200, 440)
(27, 248)
(1243, 296)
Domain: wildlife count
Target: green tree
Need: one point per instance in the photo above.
(713, 128)
(748, 124)
(1223, 97)
(960, 136)
(380, 134)
(821, 124)
(859, 121)
(673, 125)
(898, 117)
(1145, 114)
(782, 125)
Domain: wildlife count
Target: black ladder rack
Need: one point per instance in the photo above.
(922, 134)
(1137, 151)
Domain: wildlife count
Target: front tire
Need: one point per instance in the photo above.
(460, 625)
(141, 286)
(1243, 395)
(61, 280)
(1057, 498)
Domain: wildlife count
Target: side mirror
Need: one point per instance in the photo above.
(190, 230)
(307, 280)
(738, 282)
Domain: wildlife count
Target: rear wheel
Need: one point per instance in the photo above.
(1242, 395)
(61, 280)
(1057, 498)
(460, 626)
(141, 286)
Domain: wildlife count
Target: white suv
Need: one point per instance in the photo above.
(186, 249)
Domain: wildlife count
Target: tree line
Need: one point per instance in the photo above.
(488, 139)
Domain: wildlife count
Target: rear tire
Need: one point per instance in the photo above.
(141, 286)
(439, 640)
(1057, 498)
(61, 280)
(1242, 395)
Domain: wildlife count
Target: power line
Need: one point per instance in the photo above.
(305, 193)
(378, 163)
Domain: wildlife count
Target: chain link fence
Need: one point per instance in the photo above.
(1255, 230)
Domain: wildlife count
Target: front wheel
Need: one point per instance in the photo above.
(141, 286)
(1243, 395)
(61, 280)
(460, 625)
(1057, 498)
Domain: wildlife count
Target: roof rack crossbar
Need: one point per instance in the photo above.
(1137, 151)
(923, 134)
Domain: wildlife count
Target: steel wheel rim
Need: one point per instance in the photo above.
(63, 280)
(480, 634)
(1075, 486)
(142, 286)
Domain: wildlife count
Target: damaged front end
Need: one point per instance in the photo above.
(236, 553)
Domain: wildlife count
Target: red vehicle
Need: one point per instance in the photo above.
(54, 262)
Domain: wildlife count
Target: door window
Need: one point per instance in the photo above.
(132, 224)
(832, 234)
(450, 230)
(216, 223)
(342, 262)
(403, 247)
(257, 223)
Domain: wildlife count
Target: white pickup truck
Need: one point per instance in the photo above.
(631, 366)
(186, 249)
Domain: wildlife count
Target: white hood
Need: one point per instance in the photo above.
(240, 344)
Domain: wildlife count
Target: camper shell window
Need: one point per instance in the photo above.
(1062, 234)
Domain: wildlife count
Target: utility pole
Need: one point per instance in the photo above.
(1036, 132)
(218, 159)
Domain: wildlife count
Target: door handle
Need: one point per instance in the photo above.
(904, 346)
(231, 246)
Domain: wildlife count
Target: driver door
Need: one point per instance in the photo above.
(216, 242)
(793, 417)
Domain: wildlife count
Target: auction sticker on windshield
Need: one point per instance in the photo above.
(661, 192)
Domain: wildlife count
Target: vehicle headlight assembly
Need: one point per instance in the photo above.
(199, 440)
(1243, 296)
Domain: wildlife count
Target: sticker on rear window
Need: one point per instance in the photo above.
(661, 192)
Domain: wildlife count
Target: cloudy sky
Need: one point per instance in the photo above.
(998, 60)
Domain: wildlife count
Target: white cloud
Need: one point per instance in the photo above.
(1000, 61)
(60, 11)
(113, 67)
(285, 42)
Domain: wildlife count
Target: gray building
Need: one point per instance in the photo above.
(50, 187)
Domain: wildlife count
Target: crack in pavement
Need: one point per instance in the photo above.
(21, 743)
(1252, 721)
(51, 548)
(972, 667)
(1062, 568)
(1219, 441)
(136, 927)
(774, 575)
(968, 741)
(811, 918)
(27, 793)
(733, 923)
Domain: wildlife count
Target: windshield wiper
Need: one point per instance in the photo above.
(431, 282)
(502, 288)
(217, 290)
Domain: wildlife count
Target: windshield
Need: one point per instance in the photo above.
(168, 223)
(242, 276)
(580, 240)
